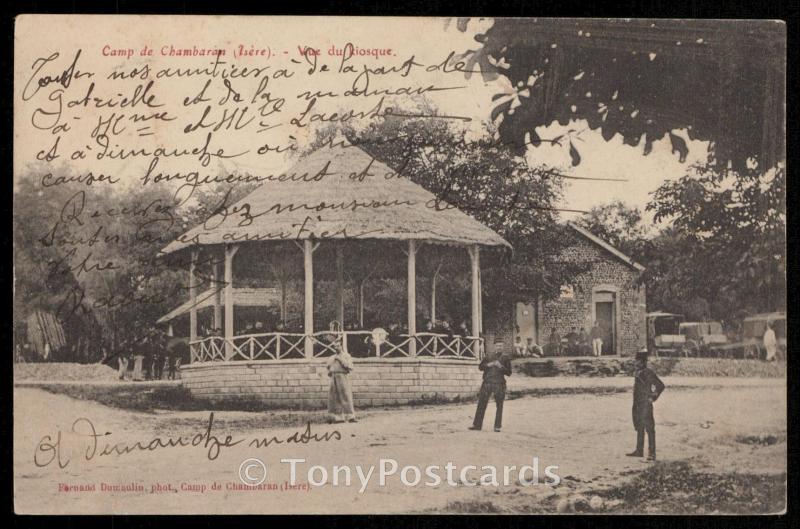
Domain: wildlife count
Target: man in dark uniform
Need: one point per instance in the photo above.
(584, 347)
(178, 353)
(553, 346)
(646, 390)
(572, 342)
(159, 344)
(495, 370)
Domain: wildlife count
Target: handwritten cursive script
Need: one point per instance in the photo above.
(94, 444)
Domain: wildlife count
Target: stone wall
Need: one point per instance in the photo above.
(606, 272)
(663, 366)
(304, 383)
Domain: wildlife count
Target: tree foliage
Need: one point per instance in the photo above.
(91, 256)
(721, 253)
(37, 286)
(488, 181)
(642, 79)
(730, 231)
(617, 224)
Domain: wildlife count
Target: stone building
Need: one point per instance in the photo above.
(608, 292)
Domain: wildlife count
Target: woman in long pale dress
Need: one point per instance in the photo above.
(340, 395)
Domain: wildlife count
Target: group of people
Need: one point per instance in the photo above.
(254, 327)
(529, 349)
(148, 357)
(366, 344)
(340, 394)
(647, 388)
(496, 367)
(260, 327)
(575, 343)
(445, 327)
(433, 327)
(250, 327)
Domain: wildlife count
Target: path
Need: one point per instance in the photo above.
(585, 435)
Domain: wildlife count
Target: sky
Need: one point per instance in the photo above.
(639, 175)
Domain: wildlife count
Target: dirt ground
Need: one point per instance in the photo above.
(718, 446)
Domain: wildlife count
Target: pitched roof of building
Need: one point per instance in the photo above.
(242, 297)
(343, 206)
(606, 246)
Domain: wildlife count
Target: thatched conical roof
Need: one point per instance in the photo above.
(338, 206)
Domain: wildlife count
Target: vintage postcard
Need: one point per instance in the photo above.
(399, 265)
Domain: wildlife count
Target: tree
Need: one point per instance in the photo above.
(36, 286)
(617, 224)
(643, 79)
(727, 238)
(672, 282)
(486, 180)
(92, 254)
